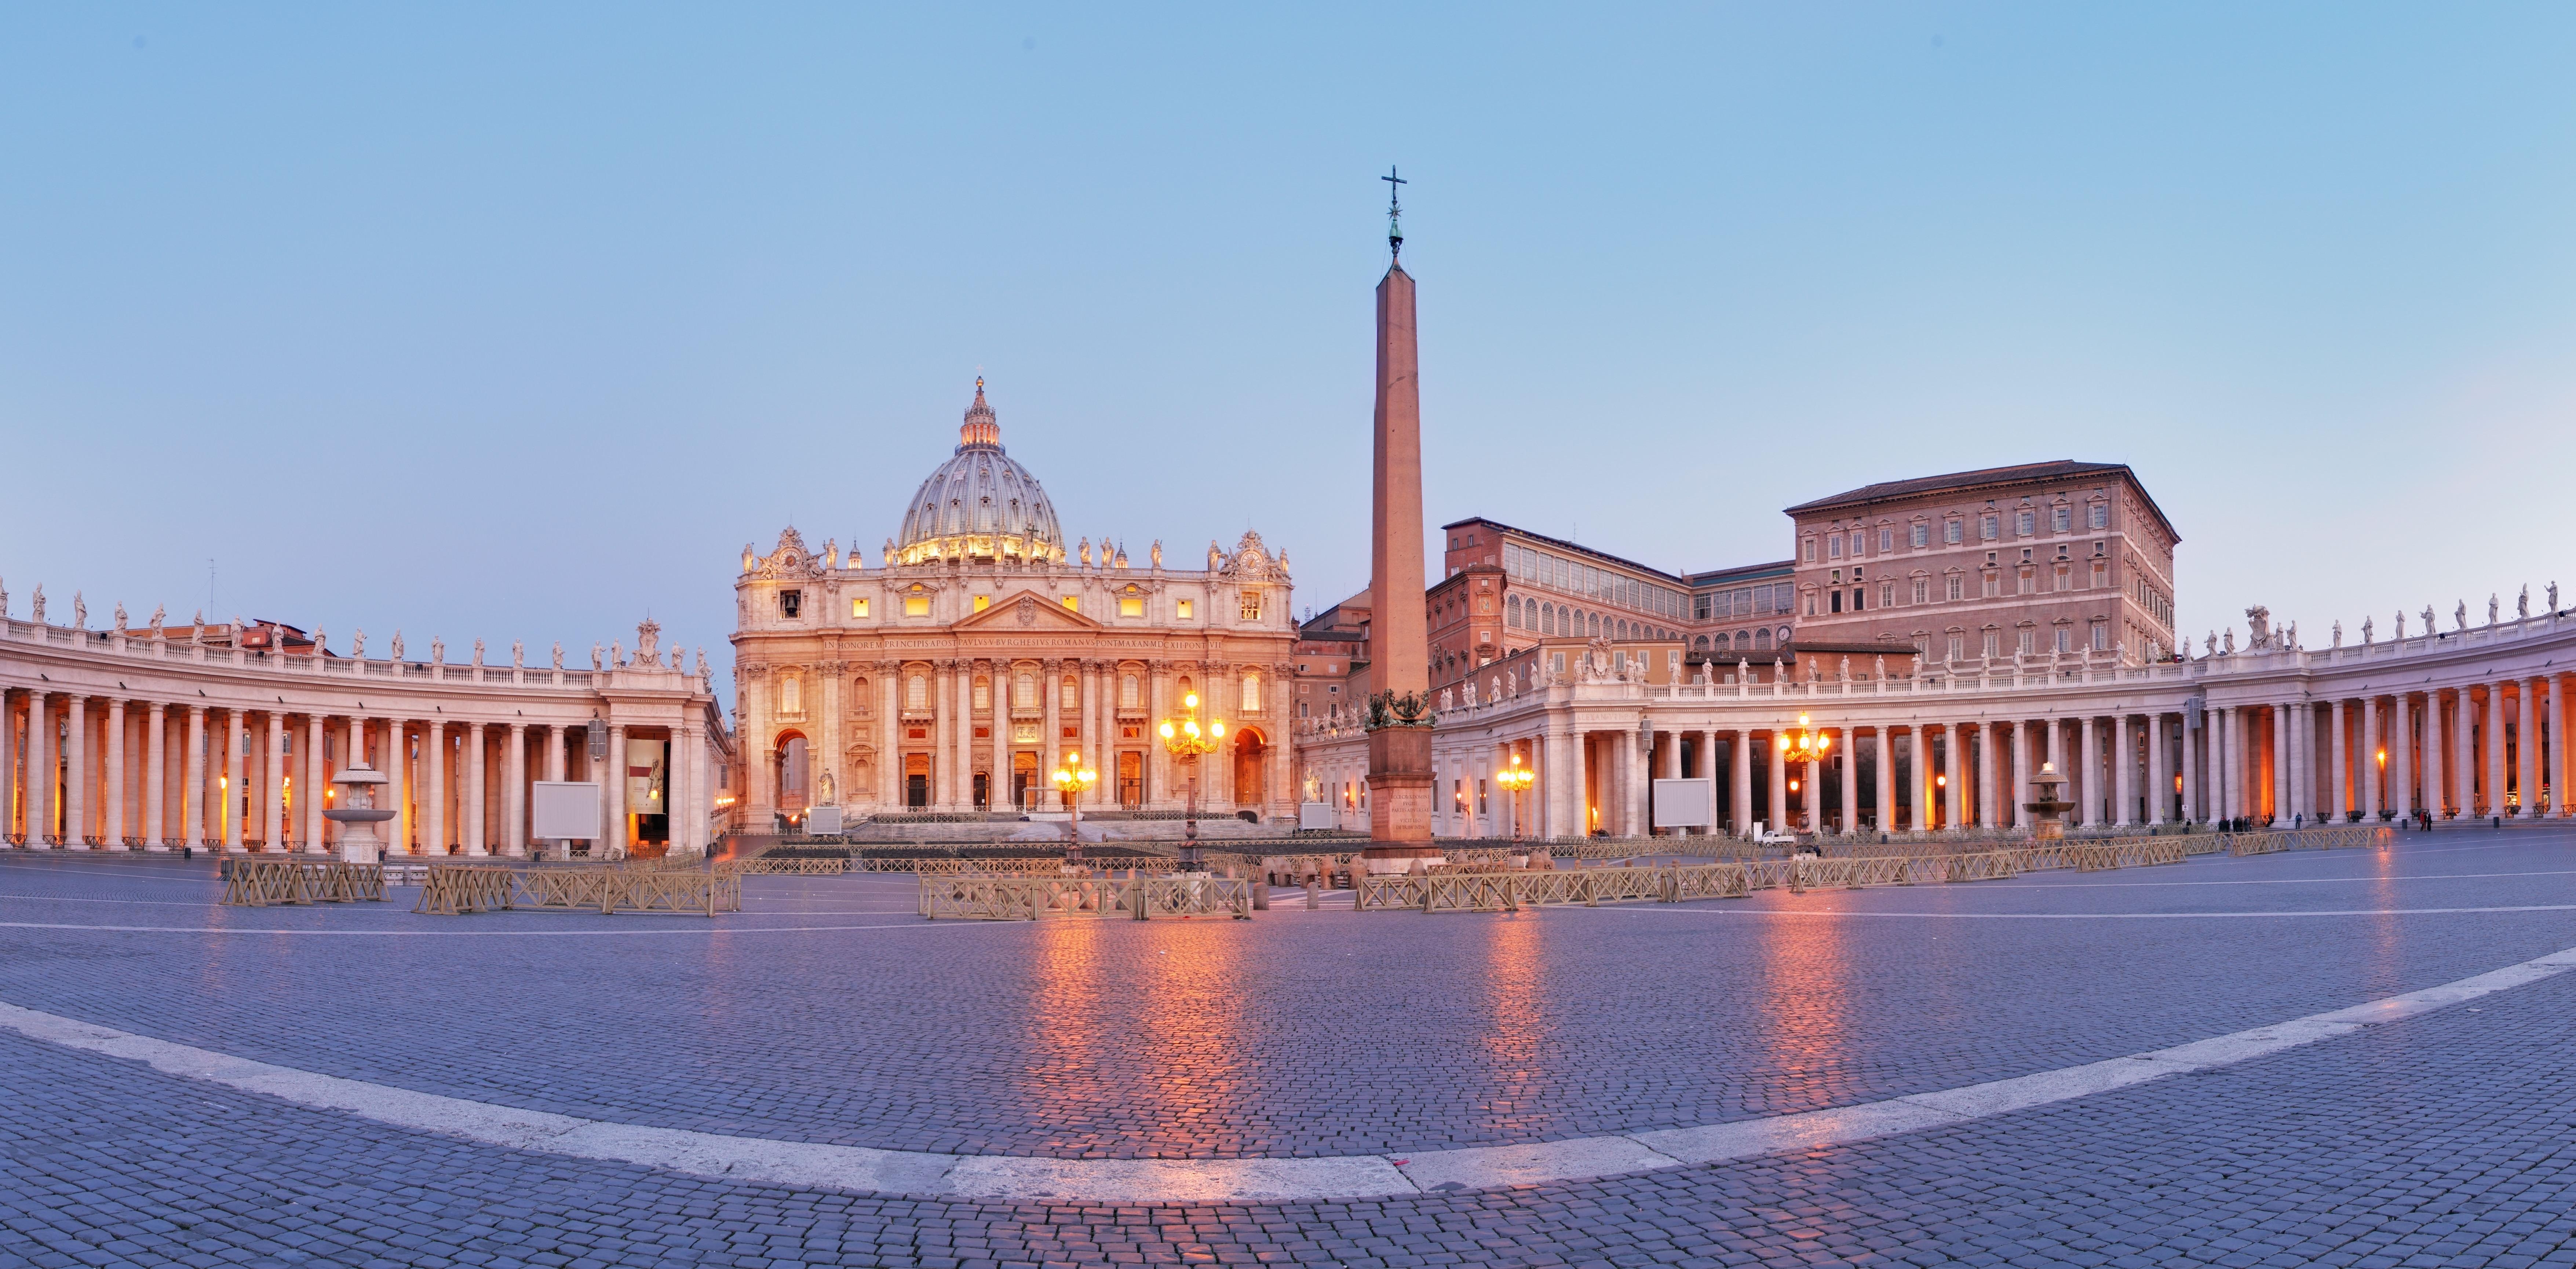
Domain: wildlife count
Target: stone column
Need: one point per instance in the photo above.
(2526, 750)
(399, 829)
(2401, 755)
(514, 797)
(236, 726)
(2562, 755)
(1052, 748)
(1779, 787)
(1850, 781)
(961, 757)
(2284, 803)
(2367, 769)
(1883, 789)
(433, 792)
(1553, 775)
(2495, 729)
(2221, 766)
(943, 768)
(2089, 746)
(75, 771)
(1740, 787)
(472, 769)
(1957, 770)
(1988, 775)
(273, 781)
(111, 762)
(2436, 764)
(2464, 736)
(192, 781)
(2339, 795)
(9, 756)
(2159, 773)
(2124, 774)
(1927, 791)
(156, 833)
(614, 778)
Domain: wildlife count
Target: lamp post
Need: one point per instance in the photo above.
(1515, 778)
(1184, 738)
(1805, 747)
(1074, 779)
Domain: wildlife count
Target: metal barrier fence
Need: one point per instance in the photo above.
(1004, 897)
(260, 883)
(457, 889)
(2266, 843)
(790, 866)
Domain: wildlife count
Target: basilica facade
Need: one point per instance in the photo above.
(955, 675)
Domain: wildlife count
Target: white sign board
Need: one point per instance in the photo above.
(1317, 815)
(823, 819)
(1685, 803)
(564, 808)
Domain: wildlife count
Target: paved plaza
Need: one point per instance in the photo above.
(829, 1022)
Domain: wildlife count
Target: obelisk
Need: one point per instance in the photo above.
(1399, 707)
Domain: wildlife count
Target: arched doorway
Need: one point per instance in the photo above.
(791, 773)
(1251, 767)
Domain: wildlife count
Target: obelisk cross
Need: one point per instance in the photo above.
(1394, 212)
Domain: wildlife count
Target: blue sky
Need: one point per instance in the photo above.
(517, 322)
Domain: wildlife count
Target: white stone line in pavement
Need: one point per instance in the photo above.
(1018, 1178)
(1687, 910)
(699, 930)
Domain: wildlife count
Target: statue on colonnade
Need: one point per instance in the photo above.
(2493, 607)
(478, 653)
(80, 612)
(120, 618)
(518, 653)
(2460, 615)
(594, 656)
(159, 613)
(39, 615)
(437, 650)
(2338, 631)
(2258, 628)
(2522, 605)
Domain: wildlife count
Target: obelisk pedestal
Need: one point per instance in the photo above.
(1399, 706)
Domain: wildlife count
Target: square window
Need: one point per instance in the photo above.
(1921, 536)
(1886, 541)
(1073, 602)
(1131, 607)
(1182, 610)
(1988, 527)
(1950, 533)
(916, 605)
(983, 602)
(2024, 523)
(2098, 515)
(858, 608)
(1834, 546)
(1252, 605)
(2061, 519)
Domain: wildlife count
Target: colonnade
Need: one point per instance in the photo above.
(2483, 748)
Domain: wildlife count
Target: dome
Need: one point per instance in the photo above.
(979, 504)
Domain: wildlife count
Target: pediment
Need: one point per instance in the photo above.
(1029, 611)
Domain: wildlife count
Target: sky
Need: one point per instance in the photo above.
(517, 322)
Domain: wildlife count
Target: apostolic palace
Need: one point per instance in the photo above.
(1927, 648)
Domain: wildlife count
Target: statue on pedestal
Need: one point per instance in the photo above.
(1158, 554)
(478, 653)
(358, 644)
(2522, 604)
(120, 619)
(158, 615)
(518, 654)
(594, 656)
(80, 612)
(395, 651)
(558, 654)
(38, 615)
(437, 650)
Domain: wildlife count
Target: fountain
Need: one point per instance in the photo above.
(357, 815)
(2050, 789)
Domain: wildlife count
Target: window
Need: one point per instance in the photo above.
(2101, 637)
(1834, 546)
(791, 603)
(2101, 572)
(916, 605)
(1919, 536)
(1024, 690)
(2065, 639)
(2098, 515)
(1886, 541)
(916, 693)
(983, 693)
(1762, 639)
(1994, 585)
(1127, 692)
(1252, 605)
(1073, 602)
(1859, 593)
(1070, 695)
(1958, 586)
(791, 695)
(858, 608)
(1837, 602)
(1181, 609)
(2023, 523)
(2061, 519)
(1987, 527)
(1131, 606)
(1887, 594)
(1991, 643)
(1950, 533)
(1922, 590)
(1251, 699)
(1957, 650)
(1838, 577)
(983, 602)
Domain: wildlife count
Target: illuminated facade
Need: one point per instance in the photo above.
(950, 679)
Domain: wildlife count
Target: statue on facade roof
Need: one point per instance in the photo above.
(478, 652)
(1216, 556)
(558, 654)
(396, 651)
(594, 655)
(2460, 615)
(616, 655)
(886, 560)
(2231, 641)
(831, 552)
(38, 612)
(120, 618)
(2522, 605)
(2258, 628)
(518, 653)
(750, 558)
(1158, 554)
(2493, 607)
(1842, 670)
(1086, 552)
(2290, 641)
(80, 612)
(159, 614)
(2338, 631)
(358, 644)
(437, 650)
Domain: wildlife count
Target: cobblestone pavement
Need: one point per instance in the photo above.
(830, 1013)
